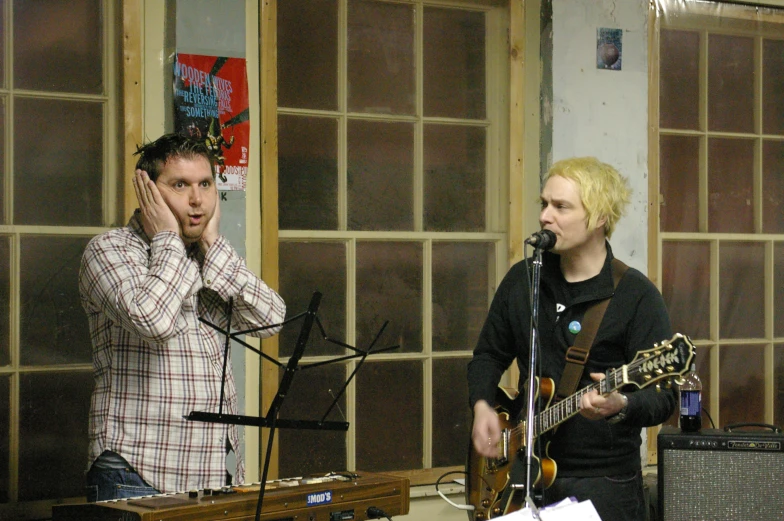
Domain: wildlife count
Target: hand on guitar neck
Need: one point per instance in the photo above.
(595, 406)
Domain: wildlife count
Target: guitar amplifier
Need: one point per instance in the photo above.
(715, 474)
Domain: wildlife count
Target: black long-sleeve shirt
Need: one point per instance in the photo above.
(636, 319)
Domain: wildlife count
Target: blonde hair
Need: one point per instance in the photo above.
(604, 192)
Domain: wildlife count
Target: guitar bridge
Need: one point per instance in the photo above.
(502, 460)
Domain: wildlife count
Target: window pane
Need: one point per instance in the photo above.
(53, 417)
(454, 167)
(778, 295)
(679, 183)
(389, 288)
(380, 57)
(308, 173)
(380, 176)
(461, 292)
(679, 83)
(5, 434)
(741, 287)
(685, 286)
(308, 54)
(454, 63)
(58, 46)
(730, 185)
(306, 451)
(730, 83)
(58, 177)
(5, 300)
(778, 385)
(389, 416)
(53, 324)
(306, 267)
(772, 79)
(741, 373)
(452, 418)
(773, 186)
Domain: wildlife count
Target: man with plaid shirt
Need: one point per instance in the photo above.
(145, 288)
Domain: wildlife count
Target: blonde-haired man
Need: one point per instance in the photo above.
(597, 451)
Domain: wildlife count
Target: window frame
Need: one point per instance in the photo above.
(519, 153)
(706, 20)
(115, 81)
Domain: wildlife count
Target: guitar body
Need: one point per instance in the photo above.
(488, 483)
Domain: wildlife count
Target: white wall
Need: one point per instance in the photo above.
(604, 113)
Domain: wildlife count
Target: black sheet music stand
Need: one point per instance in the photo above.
(271, 419)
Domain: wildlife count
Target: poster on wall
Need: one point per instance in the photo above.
(211, 105)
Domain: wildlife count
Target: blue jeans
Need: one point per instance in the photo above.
(616, 498)
(104, 484)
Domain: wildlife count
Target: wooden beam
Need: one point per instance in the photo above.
(132, 66)
(269, 202)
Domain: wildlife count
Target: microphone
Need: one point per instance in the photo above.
(542, 240)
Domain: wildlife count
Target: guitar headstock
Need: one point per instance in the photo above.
(669, 359)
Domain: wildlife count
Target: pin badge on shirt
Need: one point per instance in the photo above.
(574, 327)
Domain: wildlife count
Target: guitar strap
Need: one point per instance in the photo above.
(577, 355)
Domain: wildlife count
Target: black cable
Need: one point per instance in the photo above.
(442, 476)
(377, 513)
(713, 425)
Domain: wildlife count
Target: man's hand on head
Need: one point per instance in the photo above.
(212, 231)
(156, 214)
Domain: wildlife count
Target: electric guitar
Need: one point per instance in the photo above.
(488, 488)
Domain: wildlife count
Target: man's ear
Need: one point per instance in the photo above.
(601, 222)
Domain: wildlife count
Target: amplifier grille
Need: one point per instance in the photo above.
(721, 484)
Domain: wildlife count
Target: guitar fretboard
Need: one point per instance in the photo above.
(568, 407)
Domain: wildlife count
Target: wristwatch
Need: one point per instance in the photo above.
(620, 415)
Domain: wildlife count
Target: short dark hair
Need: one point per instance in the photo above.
(153, 156)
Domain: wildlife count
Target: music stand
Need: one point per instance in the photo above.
(271, 420)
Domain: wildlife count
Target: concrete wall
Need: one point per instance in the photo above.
(604, 113)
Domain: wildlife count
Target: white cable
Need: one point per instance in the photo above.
(460, 507)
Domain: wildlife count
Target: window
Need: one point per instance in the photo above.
(392, 204)
(721, 176)
(58, 128)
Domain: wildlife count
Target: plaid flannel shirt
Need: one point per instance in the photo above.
(154, 361)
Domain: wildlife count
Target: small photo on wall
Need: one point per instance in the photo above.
(609, 48)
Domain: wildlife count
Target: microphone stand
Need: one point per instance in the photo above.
(532, 383)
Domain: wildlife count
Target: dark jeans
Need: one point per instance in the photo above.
(616, 498)
(104, 484)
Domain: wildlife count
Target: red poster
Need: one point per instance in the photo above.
(211, 104)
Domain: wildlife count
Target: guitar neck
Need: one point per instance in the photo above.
(561, 411)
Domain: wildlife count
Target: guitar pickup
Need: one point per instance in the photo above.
(494, 464)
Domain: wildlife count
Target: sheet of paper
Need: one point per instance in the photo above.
(566, 510)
